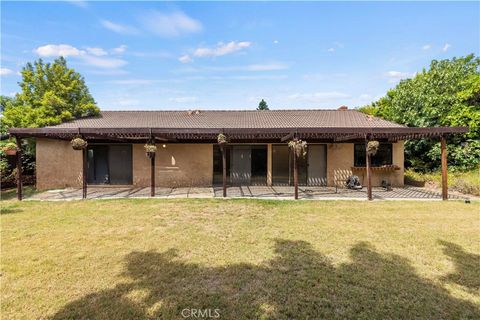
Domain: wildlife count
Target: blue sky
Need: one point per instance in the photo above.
(219, 55)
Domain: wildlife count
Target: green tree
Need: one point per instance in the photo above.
(262, 105)
(50, 94)
(447, 94)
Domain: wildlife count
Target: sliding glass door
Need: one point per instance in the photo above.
(312, 169)
(109, 164)
(246, 165)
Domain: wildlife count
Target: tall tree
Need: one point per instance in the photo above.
(447, 94)
(262, 105)
(50, 94)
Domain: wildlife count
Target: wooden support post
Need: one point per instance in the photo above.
(369, 174)
(224, 168)
(269, 164)
(295, 173)
(19, 169)
(152, 176)
(443, 148)
(84, 174)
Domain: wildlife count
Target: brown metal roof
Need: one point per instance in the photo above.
(231, 119)
(240, 126)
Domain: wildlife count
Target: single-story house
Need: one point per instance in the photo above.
(188, 153)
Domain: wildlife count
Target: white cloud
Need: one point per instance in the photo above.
(267, 67)
(5, 72)
(250, 67)
(119, 28)
(319, 97)
(132, 82)
(185, 59)
(365, 96)
(427, 47)
(78, 3)
(104, 62)
(120, 49)
(275, 41)
(184, 99)
(446, 47)
(170, 25)
(54, 50)
(221, 49)
(96, 57)
(336, 45)
(97, 51)
(395, 76)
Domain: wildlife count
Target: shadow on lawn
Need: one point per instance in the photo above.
(299, 283)
(467, 266)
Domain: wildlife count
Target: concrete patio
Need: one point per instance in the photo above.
(258, 192)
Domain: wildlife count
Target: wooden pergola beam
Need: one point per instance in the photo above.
(369, 172)
(152, 176)
(242, 133)
(224, 169)
(84, 173)
(287, 137)
(19, 168)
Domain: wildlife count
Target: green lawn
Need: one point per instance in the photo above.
(131, 259)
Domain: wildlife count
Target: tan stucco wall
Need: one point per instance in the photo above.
(340, 163)
(58, 165)
(177, 165)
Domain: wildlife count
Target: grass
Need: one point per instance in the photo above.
(11, 193)
(132, 259)
(466, 182)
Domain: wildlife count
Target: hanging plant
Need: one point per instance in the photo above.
(299, 147)
(372, 147)
(78, 143)
(221, 138)
(10, 149)
(150, 149)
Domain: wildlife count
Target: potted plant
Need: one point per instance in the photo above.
(222, 139)
(78, 143)
(10, 149)
(150, 149)
(372, 147)
(299, 147)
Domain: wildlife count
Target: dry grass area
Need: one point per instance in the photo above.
(467, 182)
(133, 259)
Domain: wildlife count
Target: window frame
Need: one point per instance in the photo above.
(359, 156)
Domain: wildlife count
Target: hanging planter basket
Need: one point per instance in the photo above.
(222, 139)
(150, 150)
(78, 143)
(372, 147)
(299, 147)
(11, 152)
(10, 149)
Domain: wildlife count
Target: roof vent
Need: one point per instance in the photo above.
(192, 112)
(343, 108)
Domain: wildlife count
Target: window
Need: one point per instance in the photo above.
(382, 157)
